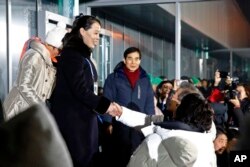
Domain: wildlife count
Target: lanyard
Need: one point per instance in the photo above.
(91, 69)
(93, 77)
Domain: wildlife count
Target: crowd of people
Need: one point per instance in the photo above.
(229, 100)
(132, 122)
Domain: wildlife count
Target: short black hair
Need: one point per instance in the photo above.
(220, 130)
(164, 82)
(131, 50)
(195, 111)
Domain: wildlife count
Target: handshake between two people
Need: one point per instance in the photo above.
(115, 110)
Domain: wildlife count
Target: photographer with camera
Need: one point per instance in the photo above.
(228, 86)
(241, 102)
(217, 101)
(230, 93)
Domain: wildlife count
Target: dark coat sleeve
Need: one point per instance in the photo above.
(149, 107)
(79, 78)
(109, 92)
(239, 116)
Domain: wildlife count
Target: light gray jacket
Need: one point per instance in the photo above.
(35, 80)
(170, 152)
(186, 148)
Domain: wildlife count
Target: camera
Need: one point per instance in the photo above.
(230, 94)
(235, 80)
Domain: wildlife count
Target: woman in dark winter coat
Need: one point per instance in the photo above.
(74, 103)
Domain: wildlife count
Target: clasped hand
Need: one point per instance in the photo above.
(114, 110)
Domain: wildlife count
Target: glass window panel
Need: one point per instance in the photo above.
(168, 60)
(52, 6)
(131, 37)
(3, 51)
(146, 51)
(157, 57)
(118, 44)
(22, 27)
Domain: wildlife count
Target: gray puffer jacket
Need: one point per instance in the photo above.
(171, 152)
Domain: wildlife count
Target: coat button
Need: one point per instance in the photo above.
(46, 80)
(43, 95)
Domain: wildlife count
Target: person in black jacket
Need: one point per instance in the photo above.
(74, 103)
(241, 102)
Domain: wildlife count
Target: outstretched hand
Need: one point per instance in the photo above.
(114, 110)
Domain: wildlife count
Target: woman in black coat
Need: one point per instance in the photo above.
(74, 103)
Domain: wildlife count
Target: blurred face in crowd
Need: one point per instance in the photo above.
(241, 92)
(166, 88)
(220, 143)
(91, 36)
(175, 102)
(228, 80)
(132, 61)
(177, 97)
(53, 50)
(204, 83)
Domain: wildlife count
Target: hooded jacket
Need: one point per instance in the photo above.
(117, 88)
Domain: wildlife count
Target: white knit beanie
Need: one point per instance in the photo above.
(54, 37)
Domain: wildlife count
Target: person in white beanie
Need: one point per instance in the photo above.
(36, 74)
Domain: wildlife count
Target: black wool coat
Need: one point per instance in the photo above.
(74, 104)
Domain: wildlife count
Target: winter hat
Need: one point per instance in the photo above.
(54, 37)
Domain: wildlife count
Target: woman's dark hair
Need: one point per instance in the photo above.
(131, 50)
(84, 21)
(195, 111)
(81, 21)
(164, 82)
(247, 89)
